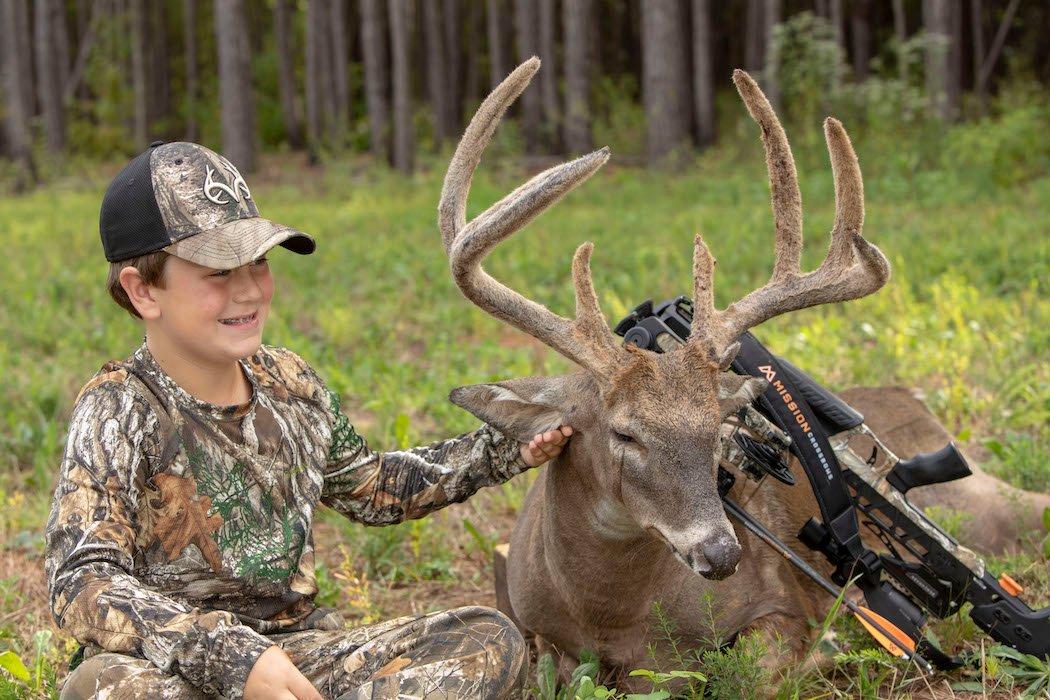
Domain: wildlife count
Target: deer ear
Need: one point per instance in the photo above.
(520, 408)
(736, 391)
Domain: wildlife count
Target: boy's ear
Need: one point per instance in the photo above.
(520, 408)
(139, 293)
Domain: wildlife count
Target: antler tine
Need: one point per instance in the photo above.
(853, 267)
(452, 209)
(703, 289)
(586, 340)
(783, 179)
(589, 318)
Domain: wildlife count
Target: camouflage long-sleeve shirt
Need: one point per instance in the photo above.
(180, 531)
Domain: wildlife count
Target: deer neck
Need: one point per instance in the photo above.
(607, 568)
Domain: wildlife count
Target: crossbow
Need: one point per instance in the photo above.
(922, 571)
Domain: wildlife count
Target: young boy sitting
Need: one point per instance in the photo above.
(179, 546)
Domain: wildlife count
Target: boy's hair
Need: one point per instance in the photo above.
(150, 266)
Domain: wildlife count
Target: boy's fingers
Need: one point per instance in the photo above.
(548, 445)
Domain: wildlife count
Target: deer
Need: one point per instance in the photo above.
(629, 513)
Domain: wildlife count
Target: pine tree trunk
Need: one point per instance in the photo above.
(977, 34)
(48, 76)
(189, 34)
(282, 32)
(326, 71)
(936, 18)
(316, 30)
(984, 76)
(549, 75)
(26, 55)
(340, 79)
(84, 8)
(472, 72)
(139, 73)
(837, 19)
(665, 82)
(159, 80)
(235, 88)
(498, 66)
(434, 37)
(86, 32)
(454, 79)
(754, 37)
(771, 61)
(900, 30)
(577, 18)
(955, 59)
(374, 53)
(60, 35)
(75, 85)
(703, 73)
(400, 34)
(526, 24)
(860, 26)
(16, 108)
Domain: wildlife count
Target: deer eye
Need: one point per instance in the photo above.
(622, 437)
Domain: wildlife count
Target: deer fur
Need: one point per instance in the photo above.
(583, 573)
(629, 513)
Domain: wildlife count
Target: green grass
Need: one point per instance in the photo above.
(963, 214)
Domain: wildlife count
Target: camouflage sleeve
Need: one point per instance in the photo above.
(380, 488)
(90, 540)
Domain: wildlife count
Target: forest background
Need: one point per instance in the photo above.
(346, 111)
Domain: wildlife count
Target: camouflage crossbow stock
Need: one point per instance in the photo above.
(923, 570)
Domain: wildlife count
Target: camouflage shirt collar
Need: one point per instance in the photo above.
(145, 361)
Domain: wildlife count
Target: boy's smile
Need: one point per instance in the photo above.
(248, 321)
(203, 320)
(217, 315)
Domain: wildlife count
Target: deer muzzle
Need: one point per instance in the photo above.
(719, 555)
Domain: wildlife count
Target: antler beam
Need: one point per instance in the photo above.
(853, 267)
(586, 339)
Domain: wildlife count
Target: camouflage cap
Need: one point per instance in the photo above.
(193, 203)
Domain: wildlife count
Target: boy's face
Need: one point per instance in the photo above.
(217, 316)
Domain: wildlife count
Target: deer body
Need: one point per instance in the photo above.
(582, 574)
(581, 578)
(629, 514)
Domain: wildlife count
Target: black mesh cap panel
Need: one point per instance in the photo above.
(130, 222)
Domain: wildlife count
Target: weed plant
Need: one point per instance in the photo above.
(962, 212)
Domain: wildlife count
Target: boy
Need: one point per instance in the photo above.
(179, 547)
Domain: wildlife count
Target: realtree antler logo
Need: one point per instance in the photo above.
(214, 190)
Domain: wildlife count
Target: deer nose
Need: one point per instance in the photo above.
(723, 554)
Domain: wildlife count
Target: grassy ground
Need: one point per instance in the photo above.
(963, 215)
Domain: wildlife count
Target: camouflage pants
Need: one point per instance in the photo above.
(469, 652)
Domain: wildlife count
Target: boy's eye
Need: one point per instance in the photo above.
(260, 261)
(220, 273)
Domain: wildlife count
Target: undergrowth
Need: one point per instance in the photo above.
(960, 211)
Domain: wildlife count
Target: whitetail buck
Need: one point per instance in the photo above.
(629, 513)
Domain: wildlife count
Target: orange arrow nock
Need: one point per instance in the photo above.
(895, 646)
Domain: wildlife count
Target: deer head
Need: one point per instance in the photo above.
(646, 441)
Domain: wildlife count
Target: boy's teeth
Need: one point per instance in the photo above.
(241, 319)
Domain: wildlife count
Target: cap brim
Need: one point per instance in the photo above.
(240, 242)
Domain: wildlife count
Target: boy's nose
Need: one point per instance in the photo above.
(247, 287)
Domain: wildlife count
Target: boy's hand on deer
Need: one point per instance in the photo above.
(274, 676)
(545, 446)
